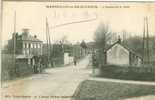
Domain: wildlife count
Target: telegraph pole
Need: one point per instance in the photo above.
(146, 51)
(147, 42)
(47, 35)
(14, 43)
(48, 41)
(144, 42)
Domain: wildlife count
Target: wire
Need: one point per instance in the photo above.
(75, 22)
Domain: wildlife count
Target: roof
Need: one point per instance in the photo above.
(118, 42)
(30, 38)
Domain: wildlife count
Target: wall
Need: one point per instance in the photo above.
(118, 55)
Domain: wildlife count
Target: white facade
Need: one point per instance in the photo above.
(32, 48)
(67, 59)
(118, 55)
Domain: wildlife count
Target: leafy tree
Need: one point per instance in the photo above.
(101, 37)
(9, 47)
(135, 43)
(83, 44)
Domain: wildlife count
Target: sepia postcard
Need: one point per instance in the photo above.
(77, 50)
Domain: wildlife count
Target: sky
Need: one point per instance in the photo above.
(32, 15)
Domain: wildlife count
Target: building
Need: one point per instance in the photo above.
(27, 44)
(27, 47)
(119, 54)
(21, 55)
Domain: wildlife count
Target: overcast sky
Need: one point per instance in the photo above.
(33, 16)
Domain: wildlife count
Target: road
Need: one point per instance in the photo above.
(59, 82)
(55, 83)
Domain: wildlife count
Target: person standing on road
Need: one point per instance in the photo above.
(75, 61)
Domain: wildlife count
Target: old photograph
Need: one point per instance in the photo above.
(78, 50)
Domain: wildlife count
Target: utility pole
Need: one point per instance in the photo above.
(146, 51)
(47, 36)
(144, 42)
(48, 41)
(14, 43)
(147, 42)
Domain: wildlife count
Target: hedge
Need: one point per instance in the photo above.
(143, 73)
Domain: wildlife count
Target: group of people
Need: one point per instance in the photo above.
(37, 64)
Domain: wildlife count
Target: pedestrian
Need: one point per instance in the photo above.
(75, 61)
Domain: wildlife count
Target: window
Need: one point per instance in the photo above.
(27, 45)
(38, 45)
(31, 45)
(23, 45)
(27, 52)
(34, 45)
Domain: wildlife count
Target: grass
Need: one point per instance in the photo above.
(95, 90)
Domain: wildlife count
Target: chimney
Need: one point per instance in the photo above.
(25, 32)
(35, 36)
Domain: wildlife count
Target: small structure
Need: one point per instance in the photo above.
(119, 54)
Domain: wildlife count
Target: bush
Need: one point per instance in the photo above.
(145, 73)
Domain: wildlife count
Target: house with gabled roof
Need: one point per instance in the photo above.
(119, 54)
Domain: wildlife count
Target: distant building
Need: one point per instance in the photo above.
(118, 54)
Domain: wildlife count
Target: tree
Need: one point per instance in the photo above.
(83, 44)
(9, 47)
(135, 43)
(102, 36)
